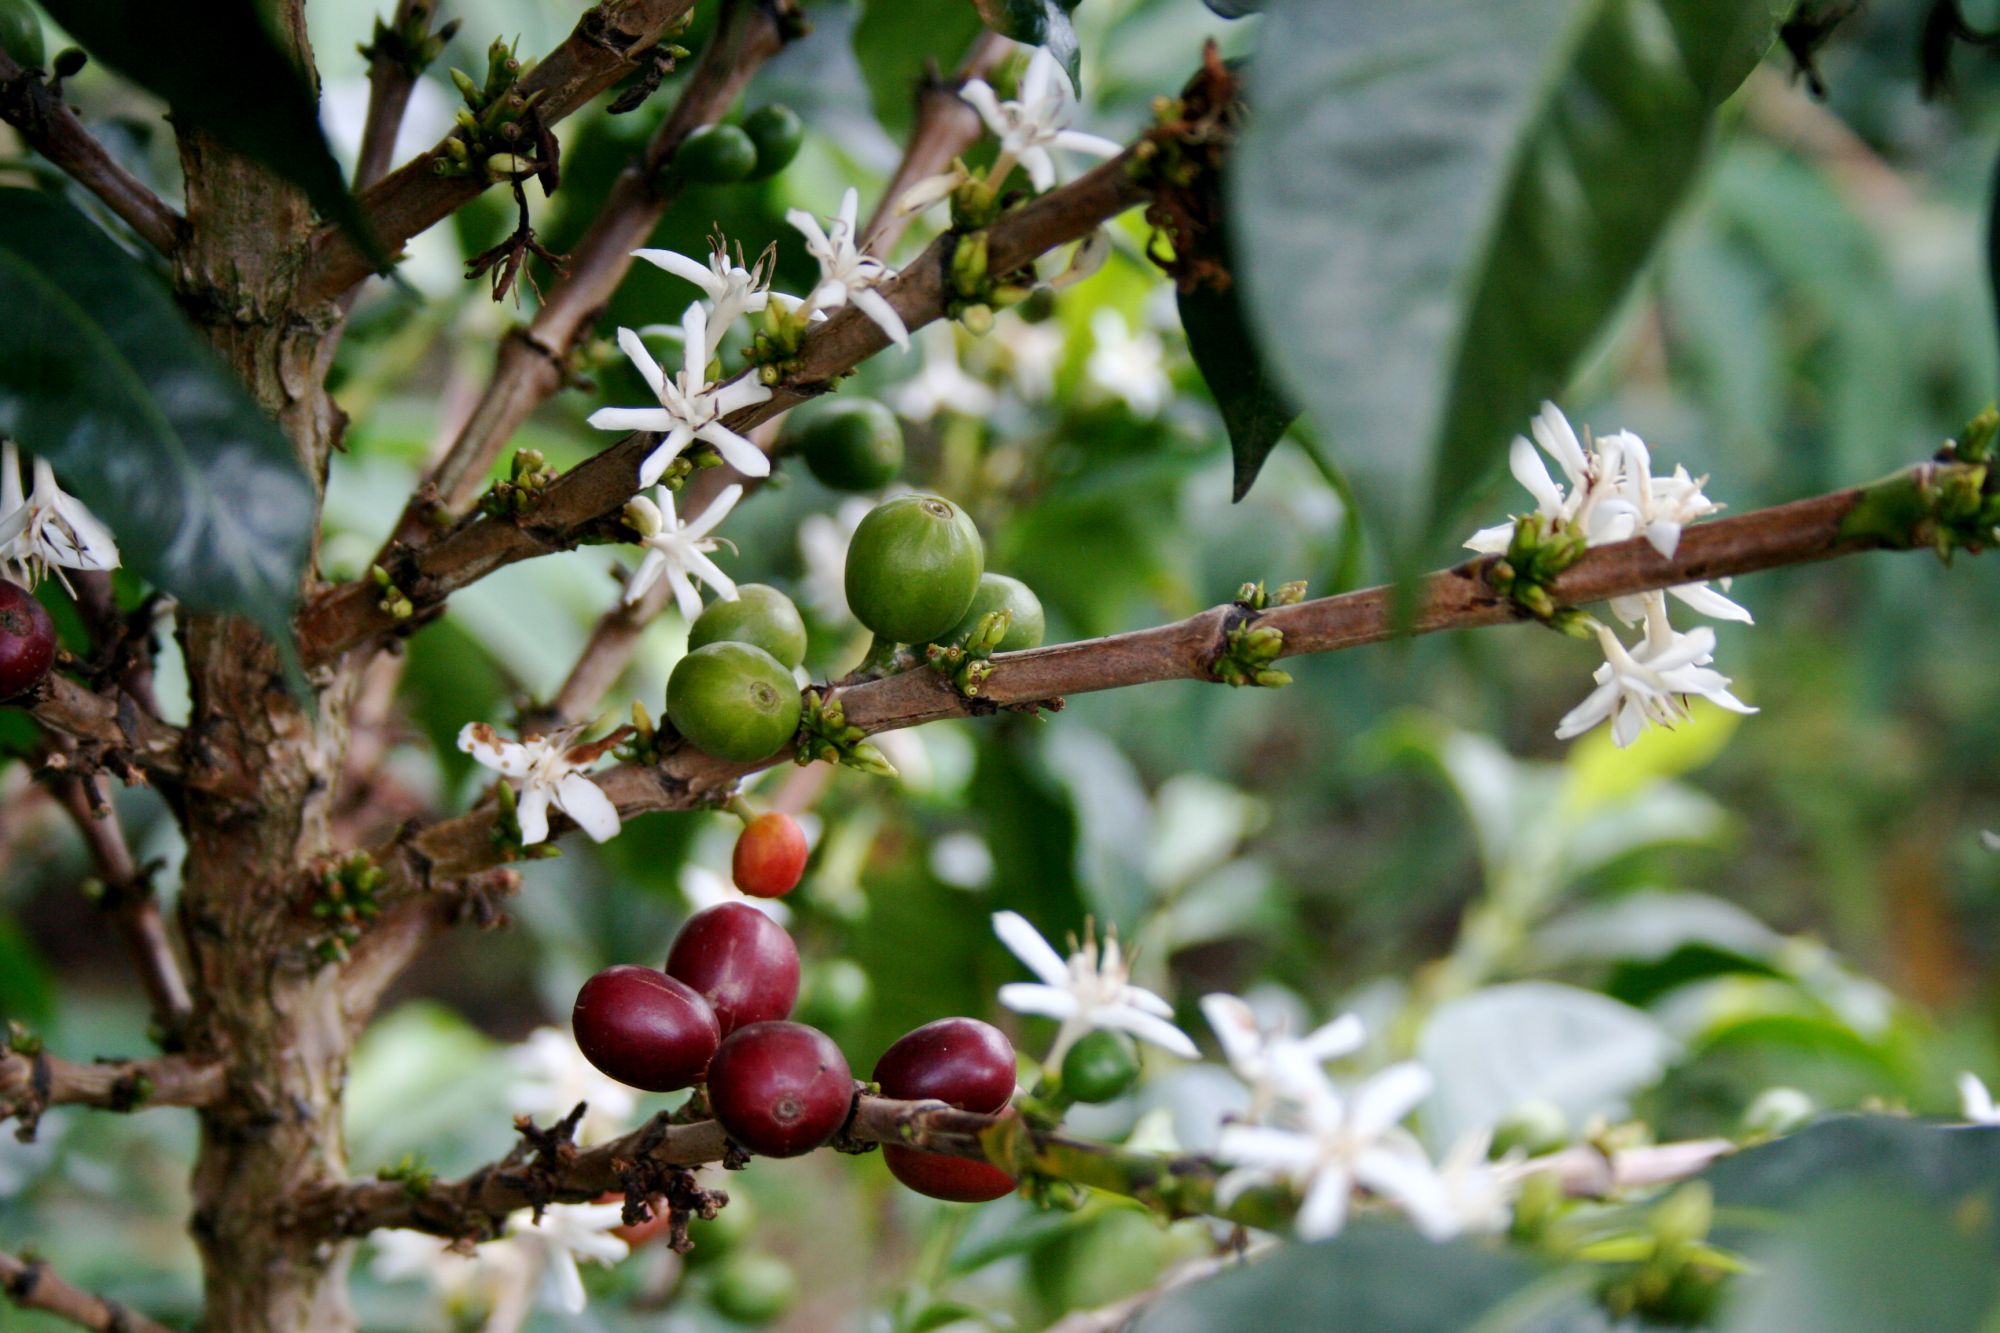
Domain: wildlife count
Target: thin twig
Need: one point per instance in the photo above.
(532, 362)
(946, 126)
(392, 74)
(31, 1285)
(128, 900)
(113, 721)
(603, 48)
(36, 109)
(352, 614)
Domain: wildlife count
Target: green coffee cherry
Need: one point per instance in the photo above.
(761, 616)
(913, 567)
(734, 701)
(777, 132)
(754, 1288)
(1101, 1066)
(724, 1233)
(715, 155)
(851, 444)
(998, 592)
(21, 33)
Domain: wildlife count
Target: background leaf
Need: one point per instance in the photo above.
(1441, 203)
(896, 39)
(1038, 23)
(100, 375)
(221, 72)
(1254, 406)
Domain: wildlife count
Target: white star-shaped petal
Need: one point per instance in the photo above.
(48, 529)
(550, 771)
(1090, 990)
(691, 406)
(679, 551)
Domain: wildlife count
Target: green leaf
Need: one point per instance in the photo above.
(100, 375)
(1375, 1278)
(1255, 408)
(1441, 203)
(1038, 23)
(222, 72)
(1948, 1164)
(898, 42)
(1235, 9)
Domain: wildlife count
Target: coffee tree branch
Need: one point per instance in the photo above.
(31, 1082)
(602, 49)
(32, 1285)
(35, 108)
(476, 1206)
(355, 613)
(533, 361)
(1457, 598)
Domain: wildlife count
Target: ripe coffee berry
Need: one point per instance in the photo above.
(964, 1063)
(770, 856)
(742, 962)
(645, 1028)
(27, 641)
(780, 1089)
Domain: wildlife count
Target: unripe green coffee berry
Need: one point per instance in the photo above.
(21, 34)
(754, 1288)
(761, 616)
(722, 1234)
(998, 592)
(715, 155)
(851, 444)
(777, 132)
(1101, 1066)
(1536, 1126)
(913, 567)
(734, 701)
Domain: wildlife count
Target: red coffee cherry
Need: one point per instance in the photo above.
(780, 1089)
(742, 962)
(770, 856)
(961, 1062)
(644, 1028)
(27, 641)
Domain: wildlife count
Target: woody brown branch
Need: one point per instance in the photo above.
(597, 489)
(37, 111)
(476, 1206)
(115, 722)
(602, 49)
(31, 1083)
(532, 363)
(391, 76)
(1455, 598)
(946, 126)
(32, 1285)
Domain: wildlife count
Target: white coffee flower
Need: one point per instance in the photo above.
(679, 551)
(569, 1232)
(1089, 991)
(1975, 1101)
(1125, 365)
(1266, 1058)
(732, 291)
(691, 406)
(1334, 1143)
(47, 529)
(846, 274)
(551, 1077)
(1035, 121)
(942, 384)
(823, 540)
(1652, 681)
(550, 771)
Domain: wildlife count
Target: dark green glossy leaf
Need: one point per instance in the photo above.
(1235, 9)
(1946, 1163)
(898, 41)
(222, 72)
(100, 374)
(1038, 23)
(1441, 203)
(1377, 1278)
(1255, 408)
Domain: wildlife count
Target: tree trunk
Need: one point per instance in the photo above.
(269, 1008)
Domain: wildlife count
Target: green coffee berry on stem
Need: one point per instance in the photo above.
(21, 34)
(996, 593)
(1101, 1066)
(760, 616)
(913, 567)
(852, 444)
(715, 155)
(777, 132)
(734, 701)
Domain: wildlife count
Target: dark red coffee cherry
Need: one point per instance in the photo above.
(770, 856)
(27, 641)
(644, 1028)
(780, 1089)
(961, 1062)
(742, 962)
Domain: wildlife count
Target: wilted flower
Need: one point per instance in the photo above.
(550, 771)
